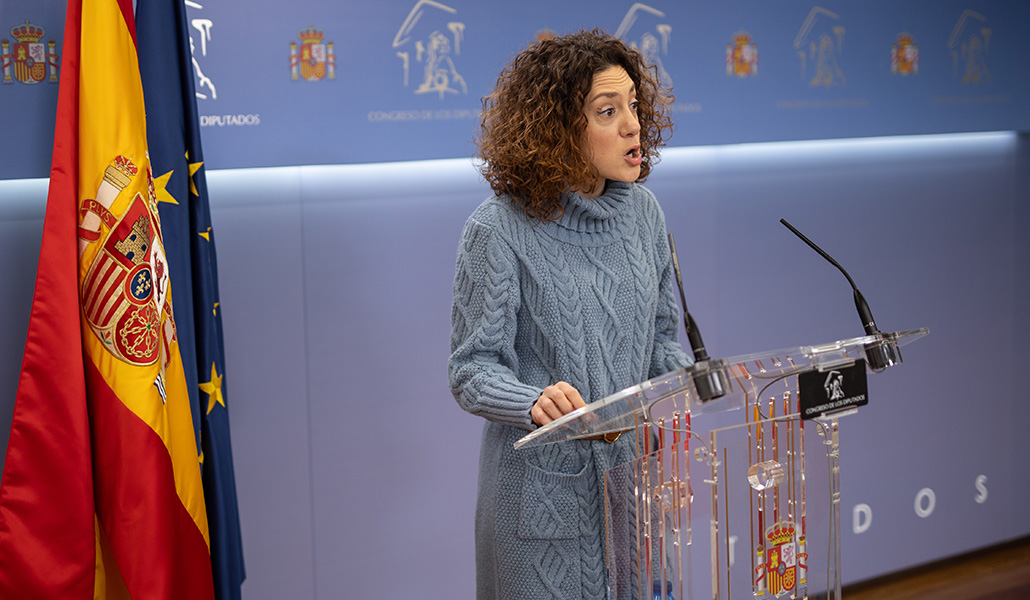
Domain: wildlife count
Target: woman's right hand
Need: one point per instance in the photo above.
(556, 400)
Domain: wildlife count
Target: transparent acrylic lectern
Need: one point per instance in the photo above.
(758, 467)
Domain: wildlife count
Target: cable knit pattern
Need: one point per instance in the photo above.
(587, 299)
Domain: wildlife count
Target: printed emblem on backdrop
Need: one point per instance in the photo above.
(125, 291)
(904, 56)
(742, 56)
(783, 565)
(969, 44)
(28, 57)
(203, 33)
(544, 34)
(650, 36)
(818, 44)
(313, 60)
(428, 45)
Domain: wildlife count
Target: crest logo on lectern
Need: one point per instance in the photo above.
(834, 385)
(783, 565)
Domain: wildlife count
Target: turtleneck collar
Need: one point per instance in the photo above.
(595, 220)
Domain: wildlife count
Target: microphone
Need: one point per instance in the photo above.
(709, 379)
(880, 354)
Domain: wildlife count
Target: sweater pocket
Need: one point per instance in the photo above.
(550, 503)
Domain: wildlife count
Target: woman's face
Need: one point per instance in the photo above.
(611, 141)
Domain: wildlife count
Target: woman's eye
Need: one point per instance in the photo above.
(634, 106)
(607, 112)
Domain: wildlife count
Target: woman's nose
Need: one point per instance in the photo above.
(630, 124)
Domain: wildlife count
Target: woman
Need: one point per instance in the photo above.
(563, 294)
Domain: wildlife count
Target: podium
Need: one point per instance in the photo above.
(735, 483)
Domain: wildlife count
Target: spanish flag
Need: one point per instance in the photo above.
(101, 495)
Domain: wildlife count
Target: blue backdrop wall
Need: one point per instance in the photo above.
(356, 470)
(354, 463)
(325, 82)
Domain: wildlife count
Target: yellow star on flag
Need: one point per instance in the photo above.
(213, 389)
(194, 167)
(205, 234)
(161, 188)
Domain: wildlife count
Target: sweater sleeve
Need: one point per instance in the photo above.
(483, 361)
(668, 355)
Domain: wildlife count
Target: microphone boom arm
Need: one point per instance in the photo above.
(880, 354)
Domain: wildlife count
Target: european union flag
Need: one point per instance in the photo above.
(173, 134)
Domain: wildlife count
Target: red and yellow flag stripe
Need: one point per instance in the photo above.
(101, 495)
(149, 500)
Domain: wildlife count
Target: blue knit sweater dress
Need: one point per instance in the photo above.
(588, 299)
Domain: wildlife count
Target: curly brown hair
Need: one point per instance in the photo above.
(532, 124)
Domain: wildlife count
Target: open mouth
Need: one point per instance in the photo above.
(634, 157)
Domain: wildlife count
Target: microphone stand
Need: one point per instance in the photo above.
(880, 354)
(709, 378)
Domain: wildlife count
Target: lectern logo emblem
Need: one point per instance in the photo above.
(834, 385)
(824, 392)
(782, 559)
